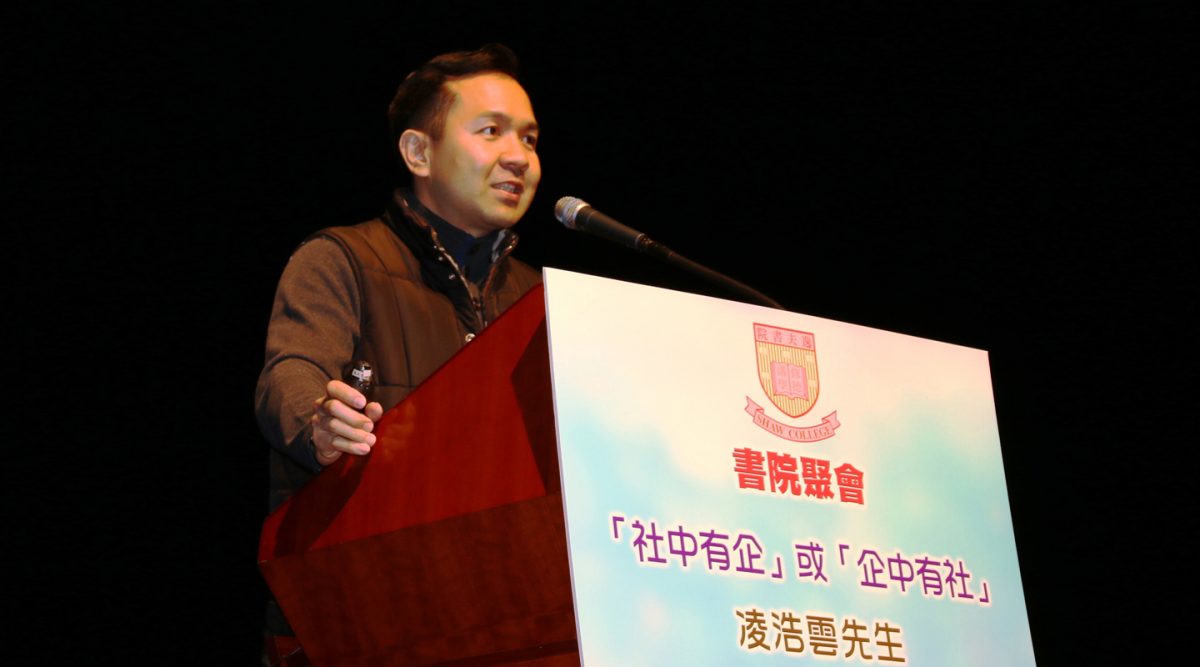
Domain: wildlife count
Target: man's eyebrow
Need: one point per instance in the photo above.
(500, 115)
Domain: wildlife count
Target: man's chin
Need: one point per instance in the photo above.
(506, 218)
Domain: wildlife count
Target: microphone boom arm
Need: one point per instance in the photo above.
(578, 214)
(675, 259)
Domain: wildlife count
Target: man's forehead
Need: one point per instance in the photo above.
(490, 93)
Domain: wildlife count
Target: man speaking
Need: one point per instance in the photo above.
(404, 291)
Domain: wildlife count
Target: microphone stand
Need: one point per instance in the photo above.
(579, 215)
(654, 248)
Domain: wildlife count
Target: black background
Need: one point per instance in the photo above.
(1016, 177)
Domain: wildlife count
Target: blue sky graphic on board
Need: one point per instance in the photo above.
(651, 389)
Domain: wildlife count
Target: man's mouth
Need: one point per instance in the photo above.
(510, 187)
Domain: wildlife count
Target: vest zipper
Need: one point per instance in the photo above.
(472, 290)
(510, 242)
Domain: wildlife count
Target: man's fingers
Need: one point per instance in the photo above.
(338, 424)
(374, 411)
(347, 431)
(352, 447)
(346, 394)
(332, 407)
(330, 428)
(327, 441)
(340, 411)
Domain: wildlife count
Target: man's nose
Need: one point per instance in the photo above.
(515, 155)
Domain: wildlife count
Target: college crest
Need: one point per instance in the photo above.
(787, 368)
(787, 371)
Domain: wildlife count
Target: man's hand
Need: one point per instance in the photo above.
(339, 427)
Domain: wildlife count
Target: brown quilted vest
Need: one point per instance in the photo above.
(409, 329)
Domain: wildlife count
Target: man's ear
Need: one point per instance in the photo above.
(415, 147)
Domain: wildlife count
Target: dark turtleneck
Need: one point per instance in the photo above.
(473, 255)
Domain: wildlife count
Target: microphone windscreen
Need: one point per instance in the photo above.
(567, 208)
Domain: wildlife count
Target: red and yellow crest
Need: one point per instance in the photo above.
(787, 368)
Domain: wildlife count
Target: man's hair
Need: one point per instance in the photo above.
(422, 101)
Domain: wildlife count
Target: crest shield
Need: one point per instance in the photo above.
(787, 368)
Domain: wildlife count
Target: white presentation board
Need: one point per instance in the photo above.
(750, 486)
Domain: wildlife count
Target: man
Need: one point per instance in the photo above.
(407, 290)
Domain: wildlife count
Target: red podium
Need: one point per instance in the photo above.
(446, 544)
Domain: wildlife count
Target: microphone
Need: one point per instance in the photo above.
(578, 214)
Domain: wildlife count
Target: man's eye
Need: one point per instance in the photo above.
(530, 140)
(490, 131)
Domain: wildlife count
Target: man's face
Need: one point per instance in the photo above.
(484, 169)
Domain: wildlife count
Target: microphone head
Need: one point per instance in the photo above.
(567, 208)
